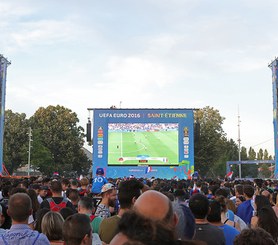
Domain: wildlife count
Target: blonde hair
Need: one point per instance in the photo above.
(52, 225)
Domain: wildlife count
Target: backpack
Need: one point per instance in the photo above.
(56, 207)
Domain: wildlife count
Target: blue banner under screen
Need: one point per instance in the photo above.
(144, 142)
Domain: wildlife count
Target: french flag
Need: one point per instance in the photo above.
(230, 175)
(148, 169)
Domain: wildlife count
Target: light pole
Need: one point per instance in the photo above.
(29, 149)
(239, 156)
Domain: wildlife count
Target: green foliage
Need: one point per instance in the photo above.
(260, 154)
(243, 154)
(251, 154)
(15, 144)
(208, 148)
(60, 141)
(266, 157)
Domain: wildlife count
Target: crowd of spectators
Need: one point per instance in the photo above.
(141, 127)
(126, 211)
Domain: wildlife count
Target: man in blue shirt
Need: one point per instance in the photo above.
(98, 181)
(245, 210)
(19, 209)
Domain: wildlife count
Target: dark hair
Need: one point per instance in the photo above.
(19, 207)
(66, 182)
(128, 190)
(248, 190)
(56, 186)
(39, 216)
(86, 202)
(66, 212)
(239, 189)
(213, 189)
(181, 195)
(255, 236)
(215, 211)
(261, 201)
(140, 229)
(15, 190)
(222, 192)
(222, 203)
(8, 221)
(199, 205)
(72, 194)
(267, 220)
(35, 203)
(74, 182)
(242, 198)
(75, 228)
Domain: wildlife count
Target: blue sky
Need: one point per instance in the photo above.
(147, 54)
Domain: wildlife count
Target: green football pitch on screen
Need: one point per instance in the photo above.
(154, 144)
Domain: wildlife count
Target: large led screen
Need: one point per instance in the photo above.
(142, 142)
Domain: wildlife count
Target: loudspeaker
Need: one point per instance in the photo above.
(89, 131)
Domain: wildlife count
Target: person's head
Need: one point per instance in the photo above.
(240, 200)
(137, 229)
(74, 184)
(66, 212)
(109, 194)
(23, 184)
(52, 224)
(156, 206)
(222, 202)
(65, 184)
(35, 203)
(20, 207)
(239, 190)
(185, 228)
(180, 195)
(214, 212)
(128, 192)
(56, 187)
(261, 201)
(257, 236)
(222, 192)
(77, 230)
(199, 205)
(267, 220)
(248, 191)
(84, 182)
(85, 205)
(73, 195)
(43, 191)
(39, 216)
(100, 171)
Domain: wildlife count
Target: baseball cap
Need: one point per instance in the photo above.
(107, 187)
(100, 171)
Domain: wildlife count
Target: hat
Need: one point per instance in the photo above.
(107, 187)
(100, 171)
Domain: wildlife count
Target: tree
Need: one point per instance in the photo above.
(243, 153)
(61, 140)
(208, 147)
(260, 154)
(15, 144)
(229, 152)
(265, 156)
(251, 154)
